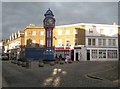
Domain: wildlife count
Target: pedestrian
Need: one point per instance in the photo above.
(56, 58)
(60, 57)
(80, 56)
(67, 59)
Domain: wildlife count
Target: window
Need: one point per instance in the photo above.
(25, 33)
(114, 42)
(33, 33)
(102, 53)
(59, 42)
(59, 32)
(102, 42)
(42, 33)
(112, 53)
(101, 31)
(94, 53)
(18, 33)
(91, 30)
(76, 41)
(89, 41)
(41, 42)
(67, 42)
(25, 42)
(76, 31)
(93, 41)
(109, 42)
(111, 31)
(33, 41)
(67, 32)
(15, 35)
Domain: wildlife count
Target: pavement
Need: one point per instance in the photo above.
(61, 75)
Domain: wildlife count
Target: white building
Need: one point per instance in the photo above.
(101, 42)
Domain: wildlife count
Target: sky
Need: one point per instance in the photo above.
(17, 15)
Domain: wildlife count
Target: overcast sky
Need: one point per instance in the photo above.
(17, 15)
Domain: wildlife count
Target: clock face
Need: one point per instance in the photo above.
(50, 21)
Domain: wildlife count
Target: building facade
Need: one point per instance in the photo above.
(80, 41)
(102, 42)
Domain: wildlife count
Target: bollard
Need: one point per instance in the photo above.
(23, 64)
(11, 61)
(52, 63)
(28, 64)
(41, 63)
(61, 62)
(70, 61)
(57, 61)
(15, 62)
(18, 63)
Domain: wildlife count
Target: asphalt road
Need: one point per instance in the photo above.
(66, 75)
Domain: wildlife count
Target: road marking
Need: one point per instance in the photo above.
(90, 76)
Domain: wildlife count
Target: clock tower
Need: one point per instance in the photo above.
(49, 24)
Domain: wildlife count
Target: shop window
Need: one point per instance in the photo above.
(112, 53)
(102, 53)
(94, 53)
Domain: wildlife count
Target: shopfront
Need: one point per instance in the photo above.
(64, 52)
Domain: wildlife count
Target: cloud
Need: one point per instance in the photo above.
(17, 15)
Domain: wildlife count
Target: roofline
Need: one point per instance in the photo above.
(84, 24)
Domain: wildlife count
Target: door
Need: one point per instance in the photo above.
(72, 55)
(88, 54)
(77, 56)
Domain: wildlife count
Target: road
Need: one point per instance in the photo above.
(66, 75)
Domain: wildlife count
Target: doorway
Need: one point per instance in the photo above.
(88, 54)
(72, 55)
(77, 56)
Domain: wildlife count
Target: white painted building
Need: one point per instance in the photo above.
(101, 42)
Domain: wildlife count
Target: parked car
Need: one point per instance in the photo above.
(5, 57)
